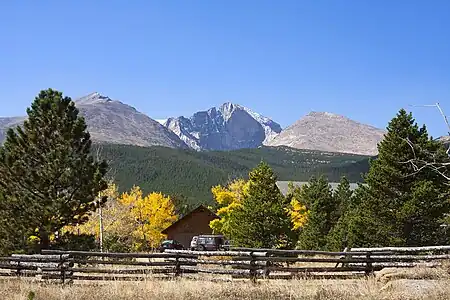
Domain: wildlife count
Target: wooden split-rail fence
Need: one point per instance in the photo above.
(254, 264)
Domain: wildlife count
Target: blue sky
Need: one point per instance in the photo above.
(363, 59)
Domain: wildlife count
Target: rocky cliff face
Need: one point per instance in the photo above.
(228, 127)
(112, 121)
(330, 132)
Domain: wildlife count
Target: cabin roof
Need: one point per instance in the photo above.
(201, 207)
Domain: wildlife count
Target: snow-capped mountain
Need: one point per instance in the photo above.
(230, 126)
(161, 121)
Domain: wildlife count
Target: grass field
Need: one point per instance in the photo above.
(434, 287)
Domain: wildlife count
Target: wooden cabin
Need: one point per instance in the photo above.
(194, 223)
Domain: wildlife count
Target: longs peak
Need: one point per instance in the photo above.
(229, 126)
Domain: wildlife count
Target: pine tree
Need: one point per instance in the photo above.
(357, 226)
(11, 231)
(318, 198)
(401, 207)
(262, 218)
(342, 197)
(47, 169)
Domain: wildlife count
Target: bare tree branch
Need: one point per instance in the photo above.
(437, 105)
(444, 116)
(418, 164)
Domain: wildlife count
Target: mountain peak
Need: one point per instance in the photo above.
(93, 98)
(229, 126)
(330, 132)
(227, 109)
(324, 114)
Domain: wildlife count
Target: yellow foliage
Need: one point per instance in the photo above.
(229, 199)
(131, 215)
(112, 216)
(150, 215)
(298, 214)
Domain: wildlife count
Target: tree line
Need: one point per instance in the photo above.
(190, 173)
(395, 206)
(54, 193)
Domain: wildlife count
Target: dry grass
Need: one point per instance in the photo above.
(370, 289)
(405, 284)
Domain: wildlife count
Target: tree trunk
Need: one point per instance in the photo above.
(44, 239)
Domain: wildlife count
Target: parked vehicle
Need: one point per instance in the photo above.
(194, 243)
(170, 244)
(210, 242)
(227, 245)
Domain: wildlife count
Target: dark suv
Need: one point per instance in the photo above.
(210, 242)
(170, 244)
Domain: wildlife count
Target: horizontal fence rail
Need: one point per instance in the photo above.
(67, 266)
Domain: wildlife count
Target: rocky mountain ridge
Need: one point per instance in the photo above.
(330, 132)
(111, 121)
(227, 127)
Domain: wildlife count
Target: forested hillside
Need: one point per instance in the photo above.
(191, 174)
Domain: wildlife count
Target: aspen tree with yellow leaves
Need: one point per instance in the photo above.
(150, 215)
(229, 199)
(116, 222)
(298, 213)
(131, 222)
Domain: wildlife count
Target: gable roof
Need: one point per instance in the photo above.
(201, 207)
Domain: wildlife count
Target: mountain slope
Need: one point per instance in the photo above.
(8, 122)
(115, 122)
(330, 132)
(231, 126)
(112, 121)
(192, 173)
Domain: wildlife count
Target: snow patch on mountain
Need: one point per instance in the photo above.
(230, 126)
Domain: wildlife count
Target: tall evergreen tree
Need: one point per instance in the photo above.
(11, 232)
(356, 226)
(46, 170)
(400, 206)
(262, 217)
(322, 207)
(342, 197)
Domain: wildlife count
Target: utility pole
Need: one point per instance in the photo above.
(100, 214)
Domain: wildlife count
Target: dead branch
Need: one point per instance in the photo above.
(418, 165)
(444, 116)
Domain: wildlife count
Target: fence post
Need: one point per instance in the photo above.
(342, 257)
(252, 267)
(369, 266)
(177, 265)
(266, 269)
(18, 271)
(61, 266)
